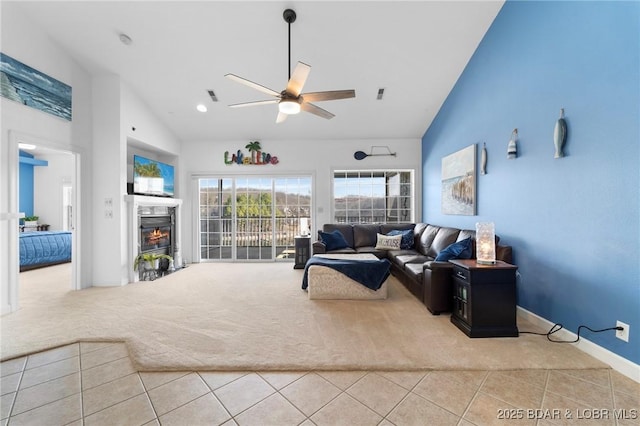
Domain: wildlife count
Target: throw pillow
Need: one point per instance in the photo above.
(333, 240)
(385, 242)
(459, 250)
(407, 238)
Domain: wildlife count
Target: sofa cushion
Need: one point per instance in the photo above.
(365, 235)
(410, 258)
(346, 229)
(444, 237)
(407, 237)
(426, 239)
(346, 250)
(386, 242)
(333, 240)
(415, 271)
(457, 250)
(380, 254)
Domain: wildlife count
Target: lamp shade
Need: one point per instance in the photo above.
(289, 106)
(304, 226)
(485, 243)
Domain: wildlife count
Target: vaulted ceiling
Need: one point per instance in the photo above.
(415, 50)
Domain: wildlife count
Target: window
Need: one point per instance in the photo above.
(371, 196)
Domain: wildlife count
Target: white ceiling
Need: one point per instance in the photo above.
(416, 50)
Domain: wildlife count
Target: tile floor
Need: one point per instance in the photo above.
(95, 383)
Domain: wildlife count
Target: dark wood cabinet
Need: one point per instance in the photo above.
(303, 249)
(484, 298)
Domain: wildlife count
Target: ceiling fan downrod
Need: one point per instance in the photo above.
(289, 16)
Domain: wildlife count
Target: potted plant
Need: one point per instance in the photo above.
(31, 221)
(149, 261)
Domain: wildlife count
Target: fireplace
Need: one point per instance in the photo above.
(156, 234)
(154, 227)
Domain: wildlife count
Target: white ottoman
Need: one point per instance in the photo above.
(327, 283)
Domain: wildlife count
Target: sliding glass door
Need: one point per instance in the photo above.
(252, 218)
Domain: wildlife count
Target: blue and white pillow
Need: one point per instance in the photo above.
(407, 238)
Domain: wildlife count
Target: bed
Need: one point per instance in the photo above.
(44, 248)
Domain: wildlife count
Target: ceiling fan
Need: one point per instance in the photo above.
(291, 100)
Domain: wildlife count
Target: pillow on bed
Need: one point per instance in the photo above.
(386, 242)
(459, 250)
(333, 240)
(407, 238)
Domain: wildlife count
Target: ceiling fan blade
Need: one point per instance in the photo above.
(254, 103)
(252, 84)
(328, 95)
(313, 109)
(281, 117)
(298, 78)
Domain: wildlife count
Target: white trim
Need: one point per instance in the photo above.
(618, 363)
(135, 201)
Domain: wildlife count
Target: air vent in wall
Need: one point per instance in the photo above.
(380, 94)
(213, 96)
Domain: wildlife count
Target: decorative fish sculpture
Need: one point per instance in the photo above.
(560, 135)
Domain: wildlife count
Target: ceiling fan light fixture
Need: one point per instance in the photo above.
(289, 106)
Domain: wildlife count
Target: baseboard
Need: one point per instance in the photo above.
(5, 309)
(618, 363)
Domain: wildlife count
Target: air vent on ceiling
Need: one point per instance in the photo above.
(380, 93)
(213, 96)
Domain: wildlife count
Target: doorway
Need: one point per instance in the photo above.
(252, 218)
(54, 189)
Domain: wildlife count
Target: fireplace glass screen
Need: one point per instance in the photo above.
(155, 237)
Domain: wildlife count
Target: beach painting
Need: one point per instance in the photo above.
(459, 182)
(21, 83)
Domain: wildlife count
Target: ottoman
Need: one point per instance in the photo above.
(327, 283)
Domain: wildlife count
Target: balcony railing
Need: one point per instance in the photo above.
(250, 232)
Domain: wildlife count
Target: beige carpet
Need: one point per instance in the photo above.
(255, 316)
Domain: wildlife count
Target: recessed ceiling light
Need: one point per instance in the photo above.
(27, 146)
(201, 108)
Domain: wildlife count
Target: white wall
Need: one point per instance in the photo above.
(143, 126)
(318, 158)
(117, 111)
(25, 42)
(48, 183)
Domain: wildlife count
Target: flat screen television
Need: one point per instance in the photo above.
(151, 177)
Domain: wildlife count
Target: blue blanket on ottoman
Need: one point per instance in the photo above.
(370, 273)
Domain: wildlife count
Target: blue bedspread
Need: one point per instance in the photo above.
(44, 247)
(370, 273)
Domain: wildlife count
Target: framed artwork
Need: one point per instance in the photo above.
(30, 87)
(459, 182)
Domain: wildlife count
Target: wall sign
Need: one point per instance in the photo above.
(255, 156)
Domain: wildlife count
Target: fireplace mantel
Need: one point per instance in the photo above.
(134, 202)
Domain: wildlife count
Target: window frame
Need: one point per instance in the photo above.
(406, 195)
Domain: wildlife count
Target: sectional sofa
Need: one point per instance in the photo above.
(429, 280)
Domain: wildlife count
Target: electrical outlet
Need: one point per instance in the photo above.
(622, 334)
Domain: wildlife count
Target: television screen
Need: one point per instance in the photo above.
(151, 177)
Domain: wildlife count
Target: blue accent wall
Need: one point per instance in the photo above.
(573, 222)
(25, 185)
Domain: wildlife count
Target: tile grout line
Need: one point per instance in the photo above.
(475, 395)
(544, 393)
(15, 397)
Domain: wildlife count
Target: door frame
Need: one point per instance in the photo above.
(16, 137)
